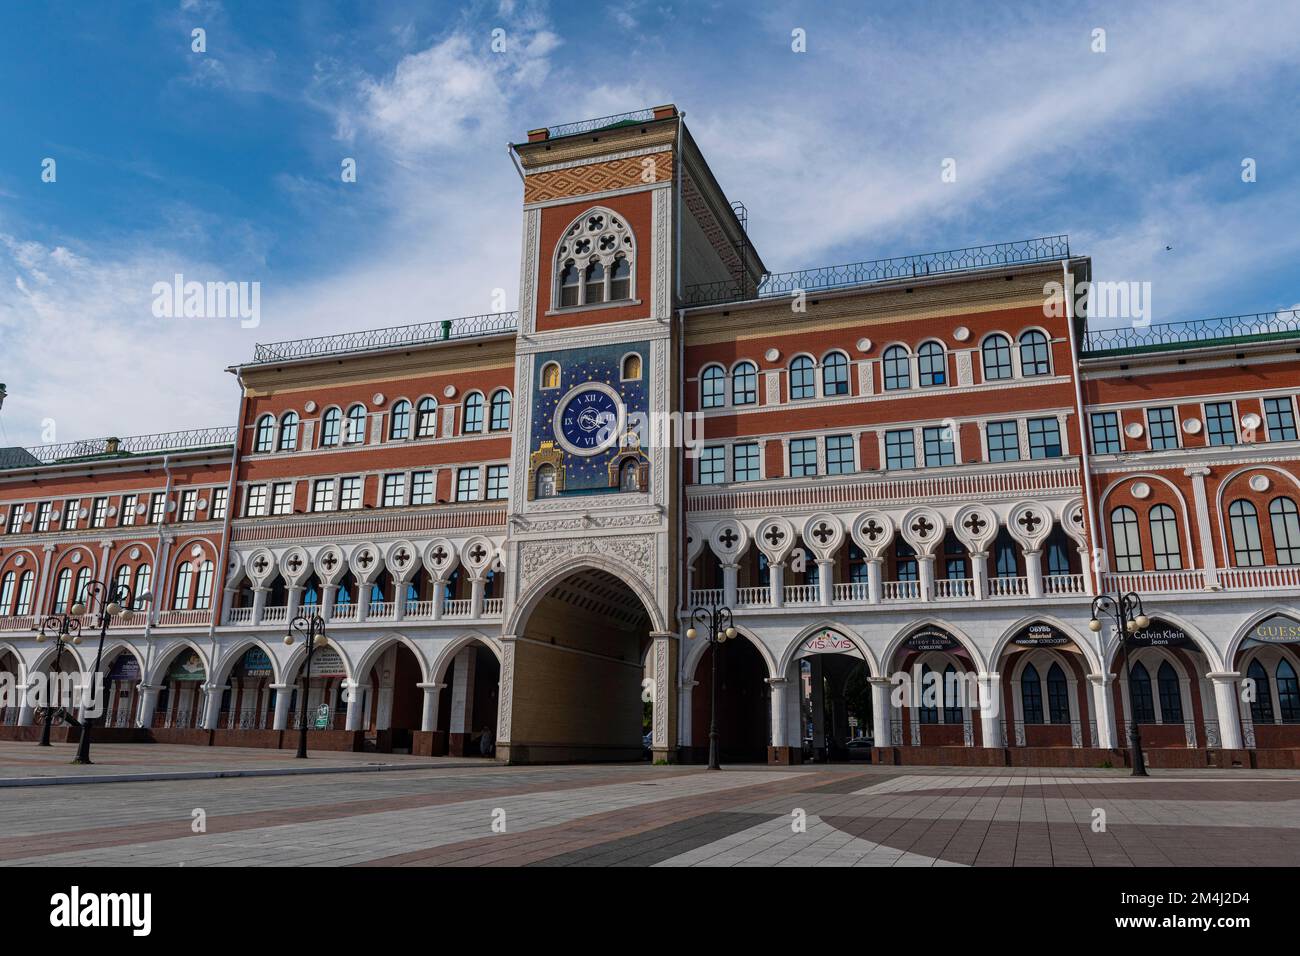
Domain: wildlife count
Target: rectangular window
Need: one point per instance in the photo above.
(839, 455)
(1044, 438)
(394, 494)
(71, 512)
(1105, 433)
(938, 446)
(219, 496)
(254, 501)
(282, 498)
(189, 505)
(1004, 441)
(713, 465)
(157, 507)
(744, 462)
(43, 515)
(1219, 425)
(350, 494)
(421, 487)
(803, 457)
(467, 484)
(16, 519)
(322, 495)
(900, 449)
(127, 515)
(99, 513)
(1279, 413)
(1162, 429)
(498, 481)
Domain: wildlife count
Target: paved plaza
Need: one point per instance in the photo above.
(422, 812)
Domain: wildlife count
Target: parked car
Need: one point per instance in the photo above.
(859, 749)
(646, 741)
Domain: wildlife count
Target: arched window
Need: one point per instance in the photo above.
(802, 383)
(898, 368)
(931, 365)
(289, 432)
(931, 690)
(499, 417)
(143, 579)
(184, 578)
(594, 283)
(62, 590)
(264, 436)
(1164, 539)
(426, 418)
(569, 284)
(1286, 530)
(1261, 708)
(996, 353)
(331, 426)
(399, 425)
(1171, 695)
(1035, 356)
(744, 384)
(79, 593)
(7, 592)
(354, 433)
(1124, 537)
(1031, 695)
(713, 392)
(629, 477)
(1139, 692)
(122, 577)
(546, 481)
(1058, 695)
(473, 413)
(1288, 692)
(1004, 552)
(632, 368)
(26, 585)
(203, 587)
(835, 374)
(1248, 551)
(951, 705)
(620, 279)
(595, 261)
(551, 375)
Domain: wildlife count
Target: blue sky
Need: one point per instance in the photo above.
(225, 165)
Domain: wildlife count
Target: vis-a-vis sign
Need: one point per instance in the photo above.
(828, 641)
(1274, 630)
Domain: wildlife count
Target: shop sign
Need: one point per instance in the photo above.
(931, 639)
(1040, 634)
(323, 717)
(126, 667)
(1275, 630)
(1161, 634)
(188, 667)
(829, 642)
(255, 663)
(326, 662)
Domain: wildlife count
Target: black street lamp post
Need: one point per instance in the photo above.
(313, 629)
(718, 622)
(1126, 611)
(113, 600)
(65, 630)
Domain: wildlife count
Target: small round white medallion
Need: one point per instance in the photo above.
(1250, 421)
(1133, 429)
(961, 333)
(197, 551)
(864, 345)
(309, 407)
(772, 355)
(20, 561)
(377, 398)
(203, 504)
(135, 553)
(1192, 426)
(76, 557)
(449, 391)
(1260, 483)
(1141, 490)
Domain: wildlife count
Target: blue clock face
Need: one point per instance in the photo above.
(588, 421)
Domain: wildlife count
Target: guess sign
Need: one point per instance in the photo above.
(1275, 630)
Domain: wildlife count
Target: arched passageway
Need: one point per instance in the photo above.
(744, 718)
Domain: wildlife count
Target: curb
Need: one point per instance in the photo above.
(221, 774)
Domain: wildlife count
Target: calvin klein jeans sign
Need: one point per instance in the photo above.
(1161, 634)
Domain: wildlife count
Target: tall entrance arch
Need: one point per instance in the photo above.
(573, 685)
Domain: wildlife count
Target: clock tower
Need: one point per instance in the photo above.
(596, 547)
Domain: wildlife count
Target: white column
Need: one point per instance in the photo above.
(283, 692)
(990, 689)
(148, 704)
(259, 603)
(26, 711)
(881, 712)
(925, 563)
(826, 580)
(439, 598)
(780, 732)
(399, 600)
(476, 598)
(1208, 561)
(363, 600)
(505, 698)
(429, 714)
(227, 602)
(328, 593)
(462, 692)
(1034, 568)
(1103, 704)
(356, 706)
(875, 581)
(979, 563)
(684, 712)
(776, 583)
(729, 572)
(1225, 701)
(211, 706)
(295, 596)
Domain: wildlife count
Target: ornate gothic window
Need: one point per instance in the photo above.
(551, 375)
(594, 261)
(1261, 708)
(632, 368)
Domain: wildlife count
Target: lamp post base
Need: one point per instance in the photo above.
(1139, 762)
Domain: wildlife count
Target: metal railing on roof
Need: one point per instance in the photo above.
(601, 122)
(1197, 333)
(1043, 249)
(134, 445)
(470, 326)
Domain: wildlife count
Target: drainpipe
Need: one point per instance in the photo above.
(1093, 574)
(159, 572)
